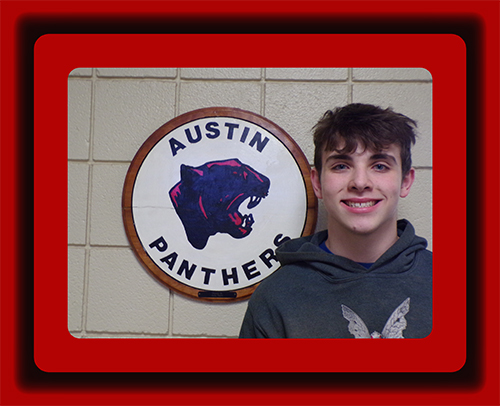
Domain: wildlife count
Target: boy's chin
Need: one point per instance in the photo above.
(367, 229)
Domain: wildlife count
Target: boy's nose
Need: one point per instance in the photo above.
(360, 181)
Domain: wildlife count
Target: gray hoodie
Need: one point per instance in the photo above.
(316, 294)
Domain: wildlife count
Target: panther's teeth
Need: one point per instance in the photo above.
(254, 201)
(247, 221)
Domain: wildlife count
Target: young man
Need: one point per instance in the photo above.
(368, 275)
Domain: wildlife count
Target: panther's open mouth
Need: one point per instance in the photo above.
(245, 222)
(208, 197)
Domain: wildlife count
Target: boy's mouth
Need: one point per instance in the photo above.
(360, 205)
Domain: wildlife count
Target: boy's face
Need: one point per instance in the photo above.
(361, 190)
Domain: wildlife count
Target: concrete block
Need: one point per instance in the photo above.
(127, 112)
(106, 224)
(242, 95)
(79, 118)
(296, 107)
(76, 277)
(417, 206)
(221, 73)
(78, 182)
(137, 72)
(81, 72)
(123, 297)
(309, 74)
(390, 74)
(322, 219)
(196, 318)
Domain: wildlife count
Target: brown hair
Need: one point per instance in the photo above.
(363, 124)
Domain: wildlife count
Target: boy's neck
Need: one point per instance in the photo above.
(365, 248)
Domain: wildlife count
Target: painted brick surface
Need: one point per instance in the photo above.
(192, 318)
(322, 74)
(390, 74)
(113, 111)
(122, 297)
(79, 118)
(106, 224)
(241, 95)
(126, 113)
(417, 206)
(81, 72)
(137, 72)
(296, 107)
(76, 280)
(222, 73)
(78, 193)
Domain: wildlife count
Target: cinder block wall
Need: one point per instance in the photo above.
(113, 111)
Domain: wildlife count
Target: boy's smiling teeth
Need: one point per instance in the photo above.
(360, 205)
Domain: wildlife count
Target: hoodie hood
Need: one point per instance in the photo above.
(400, 258)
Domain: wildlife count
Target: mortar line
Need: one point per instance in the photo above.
(86, 279)
(263, 91)
(350, 85)
(170, 327)
(177, 82)
(170, 332)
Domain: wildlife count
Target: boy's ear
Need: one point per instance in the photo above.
(316, 183)
(407, 182)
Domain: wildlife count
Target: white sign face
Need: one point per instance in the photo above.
(211, 201)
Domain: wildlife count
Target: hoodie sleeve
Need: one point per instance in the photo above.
(261, 321)
(249, 328)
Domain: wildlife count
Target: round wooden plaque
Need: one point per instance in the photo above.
(208, 198)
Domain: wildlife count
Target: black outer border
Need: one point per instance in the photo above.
(469, 26)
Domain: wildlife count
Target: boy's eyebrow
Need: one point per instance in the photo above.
(343, 157)
(374, 157)
(383, 156)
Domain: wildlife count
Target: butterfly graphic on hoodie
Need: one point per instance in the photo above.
(392, 329)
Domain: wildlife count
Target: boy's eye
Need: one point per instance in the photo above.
(339, 167)
(381, 167)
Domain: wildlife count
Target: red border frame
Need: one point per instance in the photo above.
(54, 345)
(18, 388)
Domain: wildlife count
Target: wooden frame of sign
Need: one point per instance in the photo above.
(182, 194)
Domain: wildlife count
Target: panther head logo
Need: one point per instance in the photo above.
(208, 197)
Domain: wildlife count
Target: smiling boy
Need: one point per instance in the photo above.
(368, 274)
